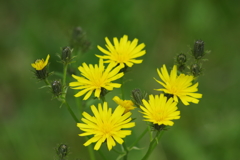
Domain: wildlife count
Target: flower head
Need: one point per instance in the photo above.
(178, 86)
(41, 71)
(123, 52)
(106, 126)
(95, 79)
(128, 105)
(160, 110)
(40, 64)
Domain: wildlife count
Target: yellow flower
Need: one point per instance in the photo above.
(179, 86)
(159, 110)
(123, 52)
(106, 126)
(128, 105)
(40, 64)
(95, 78)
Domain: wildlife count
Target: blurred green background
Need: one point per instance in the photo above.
(31, 122)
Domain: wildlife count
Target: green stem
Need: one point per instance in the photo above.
(117, 151)
(122, 89)
(103, 99)
(64, 74)
(90, 150)
(139, 138)
(124, 144)
(71, 112)
(102, 155)
(126, 151)
(79, 104)
(153, 144)
(159, 137)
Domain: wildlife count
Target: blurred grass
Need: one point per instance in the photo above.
(32, 124)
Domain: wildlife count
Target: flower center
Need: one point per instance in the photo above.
(121, 58)
(98, 83)
(106, 129)
(174, 90)
(39, 64)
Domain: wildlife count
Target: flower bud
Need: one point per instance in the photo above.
(79, 41)
(56, 88)
(66, 54)
(137, 97)
(62, 151)
(198, 50)
(181, 58)
(196, 70)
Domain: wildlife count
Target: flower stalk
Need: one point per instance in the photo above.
(126, 151)
(153, 144)
(64, 74)
(139, 138)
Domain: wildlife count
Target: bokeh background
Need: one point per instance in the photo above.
(31, 122)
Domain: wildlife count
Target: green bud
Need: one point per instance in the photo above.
(181, 58)
(66, 54)
(56, 88)
(198, 50)
(196, 70)
(79, 40)
(62, 151)
(138, 96)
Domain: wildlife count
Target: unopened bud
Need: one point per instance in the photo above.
(198, 50)
(196, 70)
(56, 88)
(137, 97)
(181, 58)
(62, 151)
(79, 40)
(66, 54)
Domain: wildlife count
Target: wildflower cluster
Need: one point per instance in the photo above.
(109, 124)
